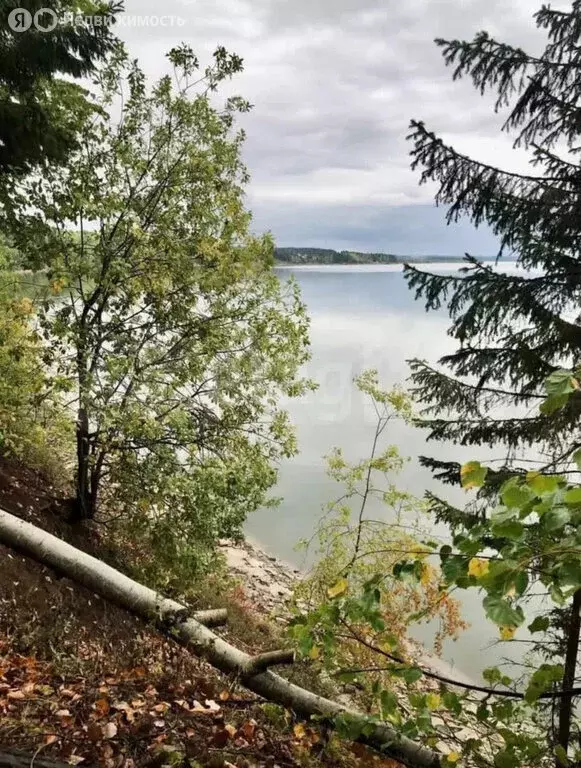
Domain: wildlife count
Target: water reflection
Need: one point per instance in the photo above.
(365, 317)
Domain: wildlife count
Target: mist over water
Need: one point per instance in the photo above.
(365, 317)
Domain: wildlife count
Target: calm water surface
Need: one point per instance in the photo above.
(365, 317)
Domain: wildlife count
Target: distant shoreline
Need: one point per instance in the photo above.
(411, 260)
(304, 256)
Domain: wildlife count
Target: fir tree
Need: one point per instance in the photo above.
(41, 112)
(512, 330)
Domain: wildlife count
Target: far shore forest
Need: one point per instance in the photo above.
(330, 256)
(147, 345)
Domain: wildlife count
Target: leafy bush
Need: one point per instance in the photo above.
(34, 426)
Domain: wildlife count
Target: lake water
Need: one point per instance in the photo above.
(365, 317)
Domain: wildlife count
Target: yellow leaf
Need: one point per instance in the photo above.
(338, 589)
(507, 633)
(453, 757)
(426, 574)
(299, 731)
(478, 567)
(315, 652)
(472, 475)
(56, 286)
(433, 701)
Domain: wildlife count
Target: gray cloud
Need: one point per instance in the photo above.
(334, 84)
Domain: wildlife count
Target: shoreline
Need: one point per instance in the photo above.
(269, 582)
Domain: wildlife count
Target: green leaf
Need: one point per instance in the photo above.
(561, 755)
(560, 382)
(473, 475)
(553, 403)
(482, 713)
(521, 582)
(514, 495)
(492, 675)
(573, 496)
(388, 702)
(502, 514)
(543, 484)
(539, 624)
(411, 674)
(570, 572)
(454, 567)
(577, 457)
(511, 529)
(501, 612)
(506, 759)
(542, 680)
(452, 702)
(557, 595)
(556, 518)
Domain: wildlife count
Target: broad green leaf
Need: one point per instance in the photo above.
(514, 495)
(542, 680)
(561, 382)
(521, 582)
(501, 612)
(454, 567)
(543, 484)
(570, 572)
(573, 496)
(553, 403)
(502, 514)
(506, 759)
(411, 674)
(556, 518)
(511, 529)
(452, 702)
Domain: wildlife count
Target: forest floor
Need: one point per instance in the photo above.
(84, 682)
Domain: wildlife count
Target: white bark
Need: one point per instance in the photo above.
(216, 617)
(264, 661)
(145, 602)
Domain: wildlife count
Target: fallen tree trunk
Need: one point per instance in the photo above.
(217, 617)
(148, 604)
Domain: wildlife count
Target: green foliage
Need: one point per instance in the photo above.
(512, 330)
(529, 543)
(33, 423)
(41, 110)
(165, 318)
(355, 543)
(372, 581)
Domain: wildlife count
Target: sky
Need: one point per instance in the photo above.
(334, 84)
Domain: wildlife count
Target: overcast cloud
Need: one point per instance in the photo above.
(334, 85)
